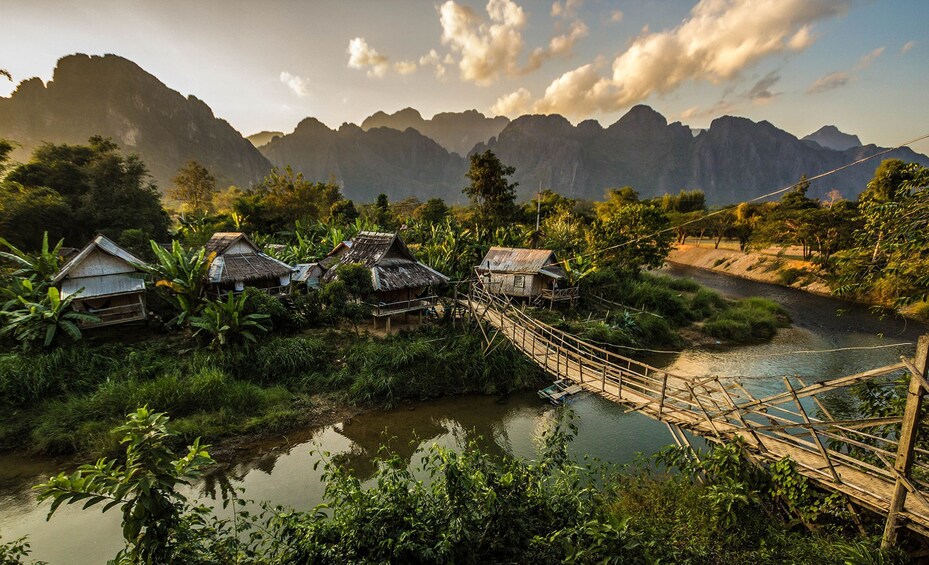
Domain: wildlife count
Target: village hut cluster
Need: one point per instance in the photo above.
(109, 282)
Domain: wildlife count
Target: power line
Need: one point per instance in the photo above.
(757, 198)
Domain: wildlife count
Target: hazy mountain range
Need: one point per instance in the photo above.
(403, 154)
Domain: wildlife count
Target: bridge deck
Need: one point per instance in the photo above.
(721, 413)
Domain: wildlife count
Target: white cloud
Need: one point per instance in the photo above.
(866, 60)
(298, 84)
(906, 47)
(566, 9)
(717, 41)
(488, 48)
(362, 56)
(513, 104)
(405, 67)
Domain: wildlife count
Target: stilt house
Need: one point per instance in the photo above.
(240, 263)
(535, 274)
(400, 281)
(108, 280)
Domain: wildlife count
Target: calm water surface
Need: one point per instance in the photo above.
(281, 471)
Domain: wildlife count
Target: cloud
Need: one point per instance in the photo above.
(616, 16)
(829, 82)
(566, 9)
(716, 42)
(405, 67)
(362, 56)
(906, 47)
(488, 48)
(298, 84)
(839, 79)
(560, 45)
(719, 108)
(513, 104)
(761, 92)
(866, 60)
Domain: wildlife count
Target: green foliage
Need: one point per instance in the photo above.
(15, 552)
(144, 487)
(45, 320)
(492, 193)
(195, 187)
(283, 198)
(752, 319)
(630, 237)
(39, 267)
(227, 323)
(77, 191)
(182, 274)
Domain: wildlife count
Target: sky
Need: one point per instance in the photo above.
(799, 64)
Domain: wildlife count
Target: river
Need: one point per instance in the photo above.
(281, 471)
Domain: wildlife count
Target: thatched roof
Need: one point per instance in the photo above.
(393, 266)
(515, 260)
(223, 240)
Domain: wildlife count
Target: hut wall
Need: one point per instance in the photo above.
(99, 263)
(505, 283)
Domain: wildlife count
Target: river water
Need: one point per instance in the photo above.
(281, 471)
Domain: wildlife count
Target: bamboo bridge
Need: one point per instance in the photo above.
(874, 462)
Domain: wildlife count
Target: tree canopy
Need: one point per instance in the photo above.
(490, 190)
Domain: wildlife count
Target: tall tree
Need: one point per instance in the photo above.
(490, 190)
(195, 187)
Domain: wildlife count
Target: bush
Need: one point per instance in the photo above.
(752, 319)
(789, 276)
(706, 302)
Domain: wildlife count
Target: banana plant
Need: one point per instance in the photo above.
(41, 266)
(227, 322)
(578, 268)
(44, 320)
(183, 275)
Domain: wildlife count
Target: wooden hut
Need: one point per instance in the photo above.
(109, 283)
(399, 280)
(239, 263)
(535, 274)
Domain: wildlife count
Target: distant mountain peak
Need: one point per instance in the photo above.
(831, 138)
(458, 132)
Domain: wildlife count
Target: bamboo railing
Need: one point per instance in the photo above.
(873, 462)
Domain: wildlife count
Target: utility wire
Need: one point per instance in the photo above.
(757, 198)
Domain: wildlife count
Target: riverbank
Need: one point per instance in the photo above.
(772, 266)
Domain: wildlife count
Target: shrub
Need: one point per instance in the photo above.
(789, 276)
(706, 302)
(748, 320)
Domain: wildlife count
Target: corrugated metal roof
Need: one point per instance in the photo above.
(522, 261)
(305, 271)
(106, 285)
(106, 245)
(393, 266)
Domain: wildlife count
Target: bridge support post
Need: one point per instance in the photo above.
(907, 441)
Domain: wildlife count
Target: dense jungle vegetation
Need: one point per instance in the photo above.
(254, 363)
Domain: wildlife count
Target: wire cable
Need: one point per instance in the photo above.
(755, 199)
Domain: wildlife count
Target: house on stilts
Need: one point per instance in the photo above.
(401, 283)
(239, 263)
(533, 274)
(108, 281)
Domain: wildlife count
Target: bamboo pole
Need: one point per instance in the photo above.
(819, 443)
(907, 441)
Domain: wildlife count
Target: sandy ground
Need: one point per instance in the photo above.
(761, 266)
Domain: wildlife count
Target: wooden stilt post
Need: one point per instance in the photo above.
(907, 441)
(388, 325)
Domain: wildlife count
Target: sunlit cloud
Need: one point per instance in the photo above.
(559, 46)
(715, 43)
(487, 48)
(566, 9)
(297, 84)
(405, 67)
(907, 47)
(616, 16)
(839, 79)
(364, 57)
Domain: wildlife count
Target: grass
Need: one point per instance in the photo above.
(66, 401)
(660, 306)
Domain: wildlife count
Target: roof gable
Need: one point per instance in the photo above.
(230, 241)
(118, 259)
(393, 266)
